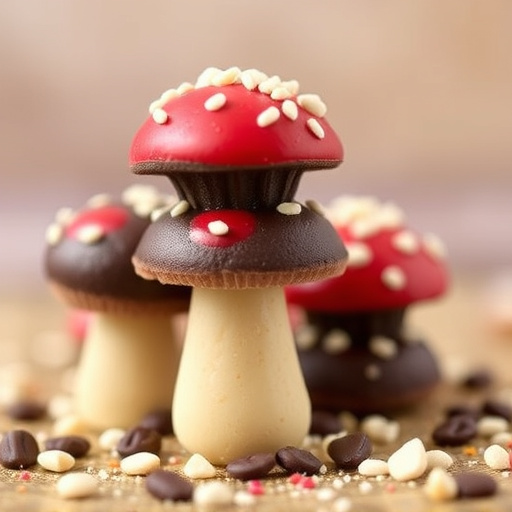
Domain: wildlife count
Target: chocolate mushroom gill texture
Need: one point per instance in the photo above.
(356, 350)
(236, 143)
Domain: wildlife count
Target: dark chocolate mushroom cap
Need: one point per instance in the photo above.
(235, 144)
(88, 255)
(389, 266)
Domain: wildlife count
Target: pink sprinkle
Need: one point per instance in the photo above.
(174, 459)
(255, 487)
(307, 482)
(390, 488)
(25, 476)
(295, 478)
(510, 459)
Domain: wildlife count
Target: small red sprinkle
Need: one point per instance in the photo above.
(25, 476)
(255, 487)
(510, 459)
(390, 488)
(295, 478)
(307, 482)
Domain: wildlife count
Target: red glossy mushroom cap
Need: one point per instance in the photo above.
(389, 266)
(235, 119)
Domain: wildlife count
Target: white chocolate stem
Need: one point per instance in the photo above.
(239, 389)
(127, 368)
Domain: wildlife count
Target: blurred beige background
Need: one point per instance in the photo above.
(419, 91)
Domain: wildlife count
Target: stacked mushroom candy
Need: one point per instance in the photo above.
(356, 352)
(235, 145)
(130, 356)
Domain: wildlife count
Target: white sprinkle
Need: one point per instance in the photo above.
(198, 467)
(160, 116)
(289, 208)
(267, 117)
(109, 438)
(502, 438)
(54, 234)
(218, 227)
(144, 209)
(158, 212)
(292, 86)
(490, 425)
(268, 85)
(155, 104)
(394, 278)
(76, 485)
(65, 216)
(343, 504)
(315, 127)
(185, 87)
(359, 254)
(139, 193)
(496, 457)
(313, 104)
(373, 467)
(409, 461)
(434, 246)
(306, 337)
(380, 429)
(206, 77)
(227, 77)
(215, 102)
(56, 460)
(244, 499)
(90, 234)
(325, 494)
(213, 493)
(180, 208)
(438, 458)
(99, 200)
(280, 93)
(365, 487)
(336, 341)
(315, 206)
(251, 78)
(168, 95)
(440, 485)
(406, 242)
(372, 372)
(140, 463)
(383, 347)
(290, 109)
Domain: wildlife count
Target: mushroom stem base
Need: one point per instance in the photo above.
(240, 389)
(127, 368)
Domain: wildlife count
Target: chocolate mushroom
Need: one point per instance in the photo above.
(129, 360)
(234, 145)
(355, 350)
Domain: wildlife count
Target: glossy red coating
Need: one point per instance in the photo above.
(231, 136)
(109, 218)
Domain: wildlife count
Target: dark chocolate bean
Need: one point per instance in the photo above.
(18, 450)
(77, 446)
(159, 420)
(166, 485)
(455, 431)
(295, 460)
(26, 411)
(252, 467)
(479, 379)
(324, 423)
(462, 409)
(496, 408)
(349, 451)
(475, 485)
(139, 439)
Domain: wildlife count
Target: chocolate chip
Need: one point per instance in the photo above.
(159, 420)
(77, 446)
(139, 439)
(496, 408)
(295, 460)
(475, 485)
(26, 411)
(349, 451)
(166, 485)
(455, 431)
(324, 423)
(18, 450)
(252, 467)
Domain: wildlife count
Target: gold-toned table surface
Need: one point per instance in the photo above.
(457, 332)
